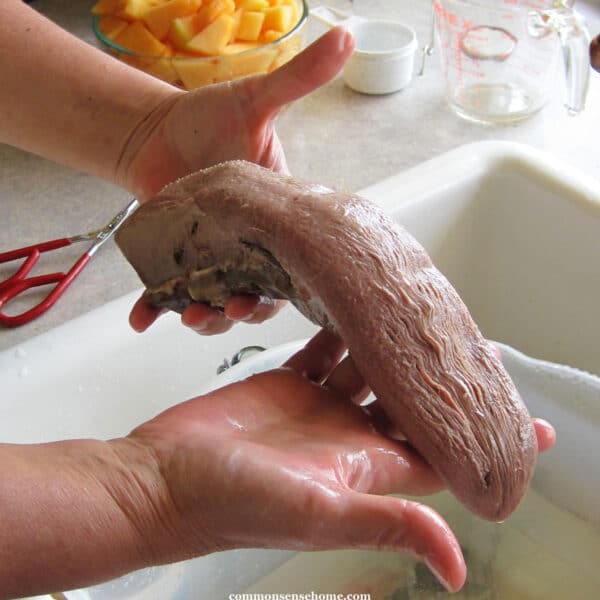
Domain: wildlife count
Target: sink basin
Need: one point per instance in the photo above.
(519, 237)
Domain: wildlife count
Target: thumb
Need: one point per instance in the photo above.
(312, 68)
(389, 523)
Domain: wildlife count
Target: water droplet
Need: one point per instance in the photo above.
(20, 353)
(23, 372)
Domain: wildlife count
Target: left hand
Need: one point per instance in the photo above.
(234, 120)
(287, 459)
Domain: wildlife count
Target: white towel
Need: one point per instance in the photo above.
(569, 474)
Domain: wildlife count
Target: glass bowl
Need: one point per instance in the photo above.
(192, 72)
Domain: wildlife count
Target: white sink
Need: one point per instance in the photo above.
(517, 234)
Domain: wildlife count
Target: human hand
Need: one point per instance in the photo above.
(234, 120)
(229, 121)
(287, 459)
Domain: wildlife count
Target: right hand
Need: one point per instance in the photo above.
(234, 120)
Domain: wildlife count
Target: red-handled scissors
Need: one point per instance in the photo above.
(19, 282)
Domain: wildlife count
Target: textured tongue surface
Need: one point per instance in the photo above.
(239, 228)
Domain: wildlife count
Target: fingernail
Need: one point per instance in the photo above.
(437, 573)
(196, 326)
(137, 327)
(346, 40)
(247, 317)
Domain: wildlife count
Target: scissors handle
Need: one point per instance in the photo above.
(62, 281)
(29, 250)
(32, 253)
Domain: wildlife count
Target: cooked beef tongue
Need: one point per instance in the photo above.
(238, 228)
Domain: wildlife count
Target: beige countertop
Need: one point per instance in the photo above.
(335, 136)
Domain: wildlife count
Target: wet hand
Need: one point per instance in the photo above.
(288, 459)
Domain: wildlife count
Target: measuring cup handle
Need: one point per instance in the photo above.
(333, 17)
(575, 41)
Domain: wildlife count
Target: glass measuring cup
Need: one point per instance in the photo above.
(500, 57)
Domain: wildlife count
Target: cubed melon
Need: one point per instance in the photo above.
(137, 38)
(270, 35)
(134, 10)
(295, 10)
(250, 64)
(158, 19)
(286, 51)
(182, 31)
(278, 17)
(207, 14)
(238, 47)
(237, 17)
(164, 69)
(196, 73)
(106, 7)
(250, 25)
(111, 27)
(213, 38)
(253, 4)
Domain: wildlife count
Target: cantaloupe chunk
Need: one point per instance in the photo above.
(237, 17)
(196, 73)
(286, 51)
(253, 4)
(238, 47)
(111, 27)
(258, 61)
(106, 7)
(212, 10)
(163, 69)
(250, 25)
(213, 38)
(134, 10)
(158, 19)
(295, 11)
(278, 17)
(137, 38)
(270, 35)
(182, 30)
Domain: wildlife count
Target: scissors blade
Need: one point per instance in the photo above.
(104, 234)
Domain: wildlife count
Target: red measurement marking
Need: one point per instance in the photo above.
(452, 19)
(524, 4)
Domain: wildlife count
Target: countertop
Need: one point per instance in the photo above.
(335, 136)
